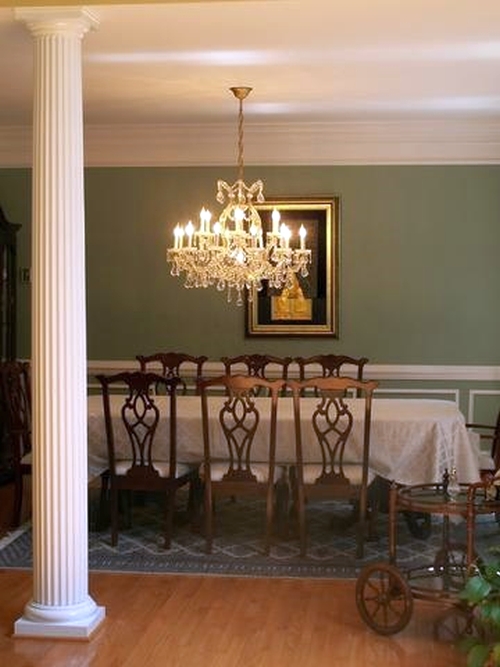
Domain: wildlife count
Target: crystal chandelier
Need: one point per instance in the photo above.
(234, 253)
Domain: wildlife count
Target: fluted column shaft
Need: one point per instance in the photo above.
(61, 605)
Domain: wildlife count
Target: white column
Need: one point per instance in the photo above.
(61, 605)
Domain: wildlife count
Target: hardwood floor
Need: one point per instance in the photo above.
(168, 621)
(193, 621)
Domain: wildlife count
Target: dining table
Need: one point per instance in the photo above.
(413, 440)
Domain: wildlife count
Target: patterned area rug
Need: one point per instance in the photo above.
(238, 548)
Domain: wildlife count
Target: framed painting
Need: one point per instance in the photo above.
(310, 306)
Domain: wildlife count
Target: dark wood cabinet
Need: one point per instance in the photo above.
(8, 309)
(8, 275)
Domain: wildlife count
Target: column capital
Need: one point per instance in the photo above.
(57, 20)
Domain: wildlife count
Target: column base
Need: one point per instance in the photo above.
(59, 622)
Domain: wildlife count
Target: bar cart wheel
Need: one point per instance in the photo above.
(384, 598)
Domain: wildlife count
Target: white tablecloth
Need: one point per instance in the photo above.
(412, 440)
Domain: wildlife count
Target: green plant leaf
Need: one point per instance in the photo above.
(490, 610)
(476, 589)
(482, 593)
(492, 574)
(465, 644)
(478, 655)
(496, 654)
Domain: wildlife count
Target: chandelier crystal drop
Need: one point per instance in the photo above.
(234, 253)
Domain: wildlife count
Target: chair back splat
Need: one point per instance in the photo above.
(330, 365)
(245, 460)
(339, 424)
(187, 368)
(264, 366)
(147, 459)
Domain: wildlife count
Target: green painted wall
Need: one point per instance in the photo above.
(419, 274)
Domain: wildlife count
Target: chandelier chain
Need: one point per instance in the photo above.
(240, 141)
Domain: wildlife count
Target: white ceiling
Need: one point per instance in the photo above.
(357, 81)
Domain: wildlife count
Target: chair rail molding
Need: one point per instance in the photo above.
(402, 372)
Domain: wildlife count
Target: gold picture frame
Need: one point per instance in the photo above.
(310, 308)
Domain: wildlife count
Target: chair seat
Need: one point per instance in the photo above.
(163, 468)
(486, 461)
(27, 459)
(261, 470)
(353, 472)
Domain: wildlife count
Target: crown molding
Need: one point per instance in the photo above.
(335, 143)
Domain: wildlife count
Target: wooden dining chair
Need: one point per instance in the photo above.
(265, 366)
(186, 367)
(342, 472)
(488, 435)
(330, 365)
(240, 457)
(15, 397)
(148, 460)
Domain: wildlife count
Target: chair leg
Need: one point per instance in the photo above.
(103, 513)
(18, 500)
(282, 506)
(301, 515)
(195, 501)
(360, 528)
(208, 517)
(127, 499)
(169, 517)
(373, 511)
(269, 519)
(114, 515)
(360, 539)
(300, 504)
(297, 509)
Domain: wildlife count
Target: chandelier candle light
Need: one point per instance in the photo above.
(233, 253)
